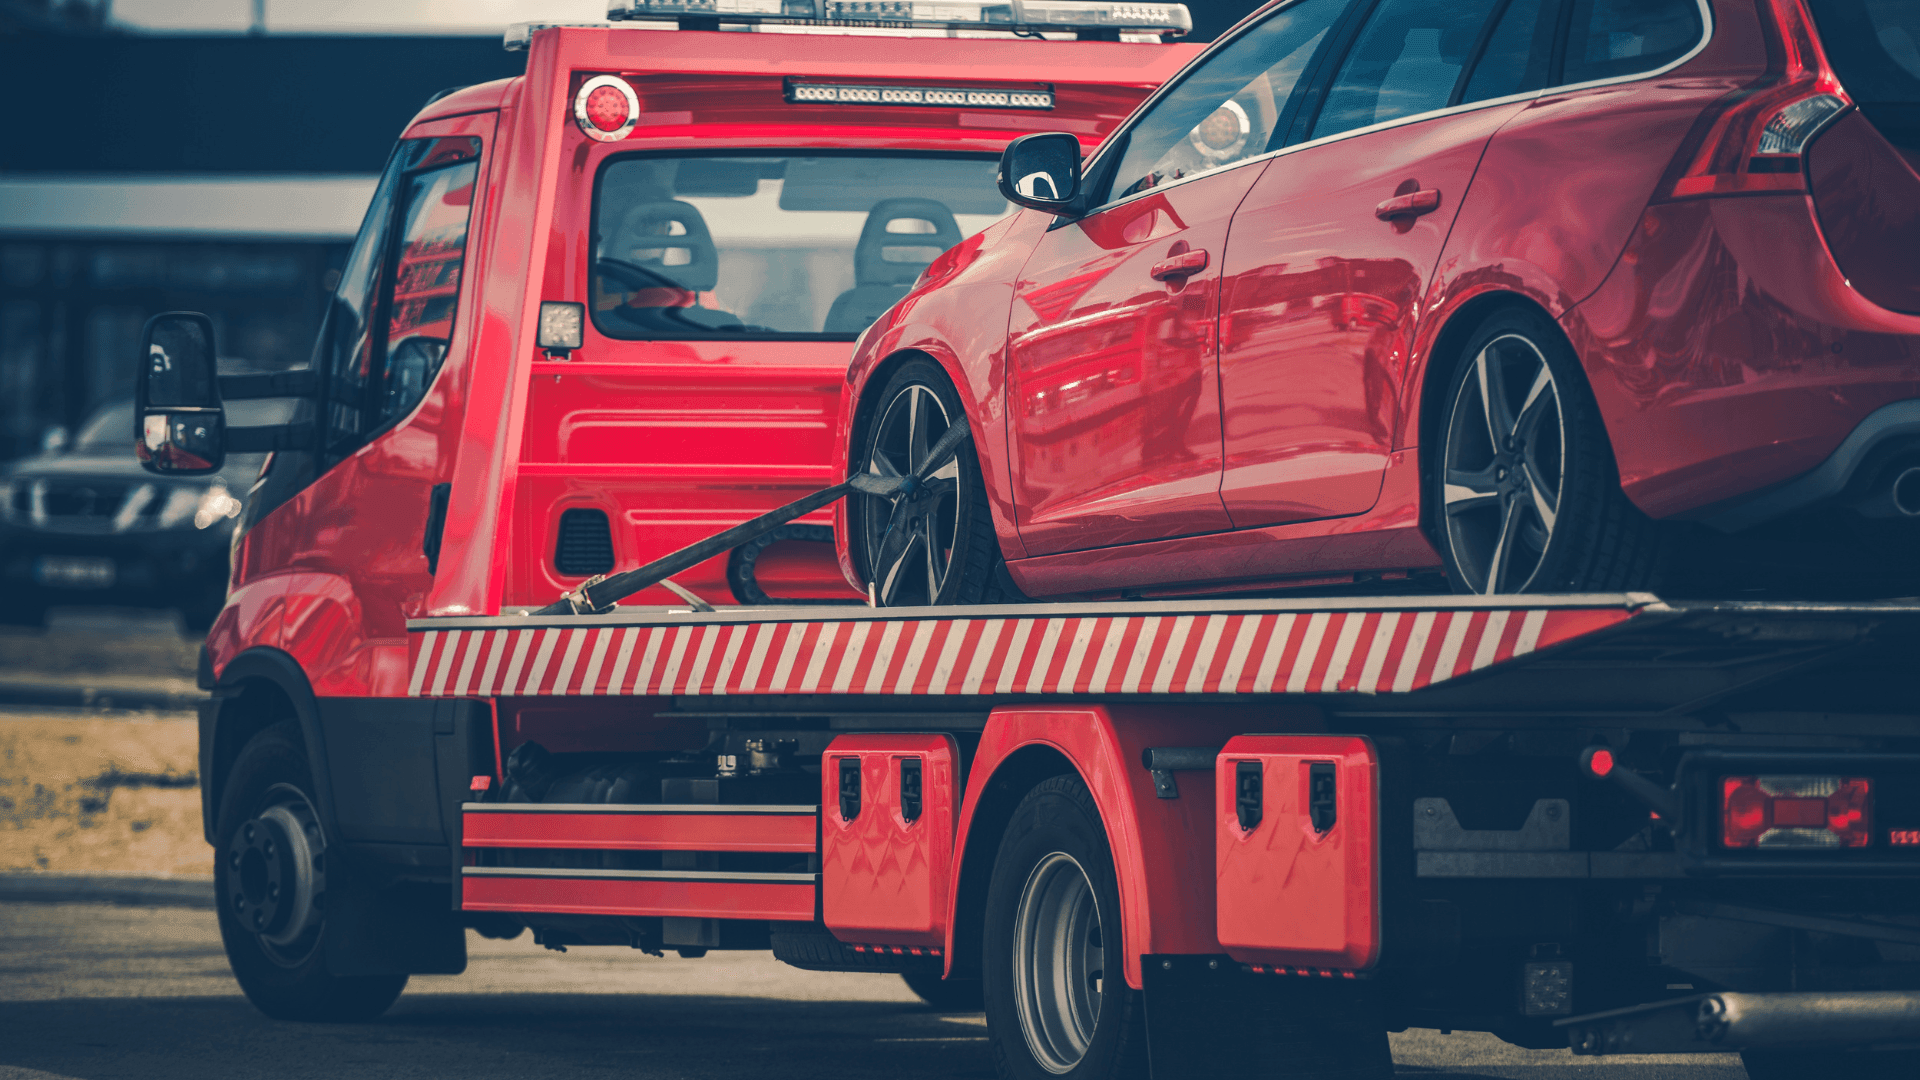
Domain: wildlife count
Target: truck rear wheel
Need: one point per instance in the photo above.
(271, 878)
(1057, 1003)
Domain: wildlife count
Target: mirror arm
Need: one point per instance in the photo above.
(259, 440)
(277, 384)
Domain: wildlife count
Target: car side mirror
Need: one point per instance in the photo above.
(1041, 172)
(179, 425)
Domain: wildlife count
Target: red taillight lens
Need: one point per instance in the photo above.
(1755, 143)
(607, 108)
(1796, 811)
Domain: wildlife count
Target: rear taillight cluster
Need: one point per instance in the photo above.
(1756, 142)
(1796, 812)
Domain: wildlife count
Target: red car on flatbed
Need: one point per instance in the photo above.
(607, 308)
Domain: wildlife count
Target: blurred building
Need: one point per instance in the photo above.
(146, 173)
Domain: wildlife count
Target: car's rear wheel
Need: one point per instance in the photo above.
(1525, 496)
(935, 544)
(273, 881)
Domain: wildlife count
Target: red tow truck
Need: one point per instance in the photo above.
(603, 310)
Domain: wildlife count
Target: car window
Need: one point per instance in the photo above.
(775, 246)
(1230, 108)
(1611, 38)
(1406, 60)
(1875, 48)
(1518, 53)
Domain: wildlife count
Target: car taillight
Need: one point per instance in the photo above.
(1795, 811)
(1756, 142)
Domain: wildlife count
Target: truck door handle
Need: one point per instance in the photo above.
(1410, 205)
(1180, 267)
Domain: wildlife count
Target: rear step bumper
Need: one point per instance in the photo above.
(1722, 1023)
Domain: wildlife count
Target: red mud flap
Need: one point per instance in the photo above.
(1209, 1017)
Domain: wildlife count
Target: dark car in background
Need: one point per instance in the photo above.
(83, 524)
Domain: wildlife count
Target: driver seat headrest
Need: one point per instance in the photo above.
(649, 228)
(870, 263)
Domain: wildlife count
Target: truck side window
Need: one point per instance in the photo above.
(387, 328)
(430, 253)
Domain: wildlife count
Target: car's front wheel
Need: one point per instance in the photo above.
(934, 543)
(1525, 497)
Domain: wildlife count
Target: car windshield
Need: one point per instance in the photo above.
(775, 246)
(108, 431)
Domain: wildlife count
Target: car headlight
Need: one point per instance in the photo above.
(6, 499)
(216, 504)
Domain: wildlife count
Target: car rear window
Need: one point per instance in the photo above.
(1874, 46)
(1611, 38)
(759, 246)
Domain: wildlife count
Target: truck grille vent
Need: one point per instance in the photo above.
(585, 547)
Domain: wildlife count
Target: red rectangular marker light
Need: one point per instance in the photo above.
(1796, 812)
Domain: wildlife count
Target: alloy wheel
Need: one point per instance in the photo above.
(909, 538)
(1059, 962)
(1505, 462)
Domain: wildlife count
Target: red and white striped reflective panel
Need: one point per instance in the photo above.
(1367, 652)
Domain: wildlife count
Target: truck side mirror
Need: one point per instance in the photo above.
(1041, 172)
(179, 425)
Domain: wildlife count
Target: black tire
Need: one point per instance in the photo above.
(1851, 1064)
(953, 552)
(1058, 821)
(947, 995)
(1539, 509)
(277, 946)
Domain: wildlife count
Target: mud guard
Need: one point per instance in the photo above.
(1209, 1017)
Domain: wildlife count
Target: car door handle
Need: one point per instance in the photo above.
(1412, 204)
(1180, 267)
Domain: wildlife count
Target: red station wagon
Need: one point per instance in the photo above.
(1540, 295)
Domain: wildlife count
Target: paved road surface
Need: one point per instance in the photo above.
(98, 992)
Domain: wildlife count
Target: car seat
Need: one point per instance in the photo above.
(878, 282)
(664, 296)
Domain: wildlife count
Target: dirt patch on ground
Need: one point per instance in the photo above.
(108, 795)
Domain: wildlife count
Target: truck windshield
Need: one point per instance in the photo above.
(768, 246)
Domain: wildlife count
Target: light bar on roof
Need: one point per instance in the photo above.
(1062, 15)
(972, 97)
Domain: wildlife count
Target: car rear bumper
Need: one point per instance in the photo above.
(1728, 356)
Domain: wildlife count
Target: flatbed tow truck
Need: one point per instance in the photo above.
(1527, 815)
(1176, 836)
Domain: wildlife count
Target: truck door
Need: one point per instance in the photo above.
(356, 539)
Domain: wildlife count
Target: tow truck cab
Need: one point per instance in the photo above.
(597, 312)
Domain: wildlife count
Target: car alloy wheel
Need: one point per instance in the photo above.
(1059, 962)
(1505, 462)
(909, 424)
(276, 876)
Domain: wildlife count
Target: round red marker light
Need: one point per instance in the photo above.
(1600, 761)
(606, 108)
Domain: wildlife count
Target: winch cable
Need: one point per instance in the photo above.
(599, 594)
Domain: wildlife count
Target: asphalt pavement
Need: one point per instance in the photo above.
(96, 991)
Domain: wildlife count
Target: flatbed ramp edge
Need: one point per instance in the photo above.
(1584, 654)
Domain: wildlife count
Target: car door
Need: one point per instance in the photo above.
(1333, 248)
(1113, 394)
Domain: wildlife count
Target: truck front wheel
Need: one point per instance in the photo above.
(1057, 1001)
(271, 881)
